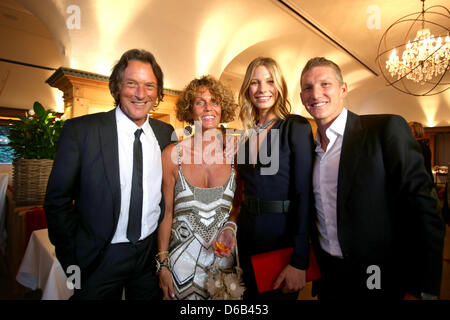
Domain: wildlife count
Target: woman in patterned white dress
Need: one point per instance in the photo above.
(198, 186)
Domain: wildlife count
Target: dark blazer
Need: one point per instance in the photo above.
(386, 211)
(82, 203)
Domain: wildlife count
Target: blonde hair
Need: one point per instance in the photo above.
(418, 129)
(282, 106)
(323, 62)
(223, 94)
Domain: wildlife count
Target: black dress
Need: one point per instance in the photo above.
(291, 153)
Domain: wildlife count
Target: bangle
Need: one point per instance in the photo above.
(162, 252)
(232, 223)
(229, 228)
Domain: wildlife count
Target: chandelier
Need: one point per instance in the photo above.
(425, 60)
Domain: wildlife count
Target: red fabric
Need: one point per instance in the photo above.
(267, 266)
(34, 220)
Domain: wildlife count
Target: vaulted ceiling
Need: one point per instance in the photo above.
(220, 37)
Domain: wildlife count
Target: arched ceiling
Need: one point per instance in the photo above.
(219, 37)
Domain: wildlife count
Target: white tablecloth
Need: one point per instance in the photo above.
(41, 269)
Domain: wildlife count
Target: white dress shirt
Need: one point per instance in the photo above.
(325, 180)
(152, 176)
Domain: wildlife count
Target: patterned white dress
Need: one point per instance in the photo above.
(199, 213)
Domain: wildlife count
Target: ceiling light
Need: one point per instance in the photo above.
(418, 66)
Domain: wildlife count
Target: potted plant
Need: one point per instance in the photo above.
(33, 139)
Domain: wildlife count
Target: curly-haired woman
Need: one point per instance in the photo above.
(198, 186)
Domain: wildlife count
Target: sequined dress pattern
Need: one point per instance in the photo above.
(199, 214)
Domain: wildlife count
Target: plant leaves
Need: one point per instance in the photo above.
(35, 137)
(39, 110)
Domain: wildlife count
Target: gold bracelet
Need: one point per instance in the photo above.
(162, 252)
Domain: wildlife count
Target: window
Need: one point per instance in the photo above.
(7, 116)
(6, 153)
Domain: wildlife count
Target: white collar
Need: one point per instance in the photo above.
(128, 125)
(337, 126)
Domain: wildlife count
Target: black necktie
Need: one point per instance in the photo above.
(135, 213)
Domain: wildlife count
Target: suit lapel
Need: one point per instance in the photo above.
(154, 126)
(110, 151)
(159, 137)
(354, 137)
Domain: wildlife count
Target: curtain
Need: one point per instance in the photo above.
(442, 149)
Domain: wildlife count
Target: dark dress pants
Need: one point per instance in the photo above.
(346, 280)
(122, 268)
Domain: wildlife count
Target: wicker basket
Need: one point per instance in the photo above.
(30, 177)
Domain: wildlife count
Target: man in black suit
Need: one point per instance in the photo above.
(377, 228)
(103, 201)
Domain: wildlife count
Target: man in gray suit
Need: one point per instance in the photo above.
(104, 202)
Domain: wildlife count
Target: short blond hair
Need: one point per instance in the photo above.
(323, 62)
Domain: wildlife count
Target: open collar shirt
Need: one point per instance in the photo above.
(325, 184)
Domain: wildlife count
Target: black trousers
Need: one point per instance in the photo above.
(343, 279)
(123, 267)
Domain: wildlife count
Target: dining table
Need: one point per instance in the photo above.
(40, 269)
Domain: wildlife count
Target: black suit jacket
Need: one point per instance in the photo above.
(82, 203)
(387, 212)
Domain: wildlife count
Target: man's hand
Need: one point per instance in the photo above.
(294, 279)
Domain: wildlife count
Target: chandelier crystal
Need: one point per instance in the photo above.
(424, 58)
(414, 52)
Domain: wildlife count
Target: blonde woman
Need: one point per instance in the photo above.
(198, 186)
(274, 166)
(418, 132)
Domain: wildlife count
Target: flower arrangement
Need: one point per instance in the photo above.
(36, 135)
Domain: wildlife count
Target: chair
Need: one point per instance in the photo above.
(34, 220)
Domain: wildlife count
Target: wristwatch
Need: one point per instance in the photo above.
(161, 264)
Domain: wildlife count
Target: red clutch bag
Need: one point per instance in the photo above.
(268, 265)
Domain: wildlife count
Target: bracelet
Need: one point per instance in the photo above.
(162, 252)
(161, 264)
(229, 228)
(233, 224)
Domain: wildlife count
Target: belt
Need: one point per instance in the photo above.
(257, 206)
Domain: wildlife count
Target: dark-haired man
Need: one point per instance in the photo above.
(104, 201)
(378, 232)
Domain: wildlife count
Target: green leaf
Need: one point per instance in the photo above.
(39, 110)
(35, 137)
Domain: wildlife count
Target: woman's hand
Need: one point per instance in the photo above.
(225, 242)
(166, 284)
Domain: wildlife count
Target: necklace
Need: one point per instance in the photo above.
(259, 128)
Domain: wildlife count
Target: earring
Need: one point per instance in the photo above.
(188, 130)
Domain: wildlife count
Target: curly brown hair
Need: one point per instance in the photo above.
(223, 95)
